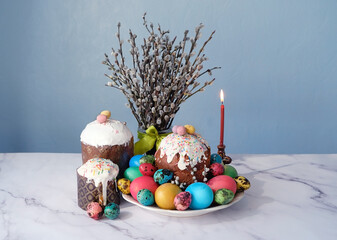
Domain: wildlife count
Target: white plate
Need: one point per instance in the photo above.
(186, 213)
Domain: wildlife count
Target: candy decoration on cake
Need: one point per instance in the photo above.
(96, 181)
(109, 139)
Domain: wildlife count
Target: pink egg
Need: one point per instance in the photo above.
(174, 129)
(216, 169)
(182, 201)
(222, 181)
(143, 182)
(94, 210)
(147, 169)
(181, 130)
(101, 118)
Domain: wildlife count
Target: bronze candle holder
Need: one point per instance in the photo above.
(221, 151)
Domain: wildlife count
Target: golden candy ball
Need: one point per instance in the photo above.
(189, 129)
(107, 113)
(165, 194)
(123, 185)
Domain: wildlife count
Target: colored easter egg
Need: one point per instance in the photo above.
(143, 182)
(123, 185)
(132, 173)
(216, 169)
(162, 176)
(147, 159)
(134, 161)
(107, 113)
(216, 158)
(147, 169)
(182, 201)
(111, 210)
(242, 183)
(145, 197)
(222, 181)
(230, 171)
(181, 130)
(165, 194)
(94, 210)
(202, 195)
(189, 129)
(223, 196)
(101, 118)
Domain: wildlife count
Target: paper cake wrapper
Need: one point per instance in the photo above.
(88, 192)
(119, 154)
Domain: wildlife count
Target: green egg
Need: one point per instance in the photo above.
(132, 173)
(147, 159)
(223, 196)
(230, 171)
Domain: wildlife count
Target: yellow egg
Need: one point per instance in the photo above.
(123, 185)
(165, 194)
(107, 113)
(189, 129)
(242, 183)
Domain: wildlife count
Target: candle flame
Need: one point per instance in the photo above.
(222, 96)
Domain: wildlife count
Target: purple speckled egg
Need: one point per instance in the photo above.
(182, 201)
(94, 210)
(216, 169)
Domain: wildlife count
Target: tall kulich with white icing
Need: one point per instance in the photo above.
(110, 139)
(96, 182)
(187, 156)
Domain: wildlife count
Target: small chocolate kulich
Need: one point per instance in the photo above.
(119, 154)
(87, 192)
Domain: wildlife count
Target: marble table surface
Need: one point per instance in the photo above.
(292, 197)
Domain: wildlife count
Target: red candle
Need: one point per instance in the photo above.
(222, 117)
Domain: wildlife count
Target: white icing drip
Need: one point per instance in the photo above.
(192, 146)
(99, 170)
(111, 133)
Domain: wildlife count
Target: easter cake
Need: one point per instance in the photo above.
(186, 154)
(96, 182)
(109, 139)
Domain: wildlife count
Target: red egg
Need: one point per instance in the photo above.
(222, 181)
(147, 169)
(216, 169)
(143, 182)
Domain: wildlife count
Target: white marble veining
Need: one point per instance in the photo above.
(292, 197)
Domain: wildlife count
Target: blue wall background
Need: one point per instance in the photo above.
(278, 58)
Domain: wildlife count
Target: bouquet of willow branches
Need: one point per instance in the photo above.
(163, 74)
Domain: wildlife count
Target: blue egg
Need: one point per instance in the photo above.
(145, 197)
(216, 158)
(134, 161)
(162, 176)
(202, 195)
(111, 210)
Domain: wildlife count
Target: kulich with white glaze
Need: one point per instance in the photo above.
(97, 182)
(111, 139)
(187, 156)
